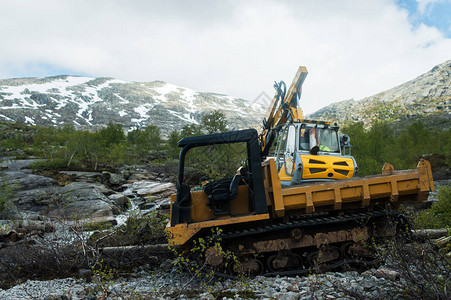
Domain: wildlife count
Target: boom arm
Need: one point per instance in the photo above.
(280, 111)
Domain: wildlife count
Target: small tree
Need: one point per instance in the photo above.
(191, 130)
(152, 137)
(93, 149)
(439, 215)
(112, 134)
(145, 140)
(214, 122)
(172, 148)
(6, 194)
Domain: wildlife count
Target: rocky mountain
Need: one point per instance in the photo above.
(427, 97)
(93, 102)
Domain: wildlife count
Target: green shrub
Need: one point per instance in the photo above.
(56, 164)
(145, 229)
(6, 193)
(402, 147)
(13, 142)
(137, 230)
(439, 215)
(442, 209)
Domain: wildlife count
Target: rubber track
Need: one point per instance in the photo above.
(310, 222)
(302, 221)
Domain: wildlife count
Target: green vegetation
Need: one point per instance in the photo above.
(6, 193)
(67, 148)
(145, 229)
(381, 143)
(439, 215)
(214, 161)
(171, 144)
(145, 141)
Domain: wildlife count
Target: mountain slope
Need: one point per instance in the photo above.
(425, 97)
(91, 102)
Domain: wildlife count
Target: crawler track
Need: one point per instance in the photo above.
(304, 222)
(270, 250)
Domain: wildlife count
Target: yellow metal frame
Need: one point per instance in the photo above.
(417, 182)
(182, 233)
(361, 192)
(329, 164)
(203, 217)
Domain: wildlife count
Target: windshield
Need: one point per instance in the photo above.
(325, 138)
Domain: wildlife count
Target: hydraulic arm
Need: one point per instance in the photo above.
(284, 107)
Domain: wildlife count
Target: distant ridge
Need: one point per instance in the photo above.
(94, 102)
(426, 97)
(90, 103)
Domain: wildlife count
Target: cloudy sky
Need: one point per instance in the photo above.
(352, 48)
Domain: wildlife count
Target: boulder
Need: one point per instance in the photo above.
(20, 180)
(6, 226)
(92, 177)
(101, 188)
(10, 212)
(137, 177)
(32, 225)
(36, 201)
(165, 204)
(16, 165)
(80, 200)
(430, 233)
(119, 199)
(113, 178)
(147, 205)
(145, 188)
(76, 200)
(387, 273)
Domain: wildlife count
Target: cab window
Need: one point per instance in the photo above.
(328, 140)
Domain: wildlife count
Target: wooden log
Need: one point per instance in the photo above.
(430, 233)
(146, 248)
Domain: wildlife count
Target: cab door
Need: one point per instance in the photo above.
(285, 154)
(290, 151)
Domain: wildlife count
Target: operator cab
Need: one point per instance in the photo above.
(229, 193)
(312, 151)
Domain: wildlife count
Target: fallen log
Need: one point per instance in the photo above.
(443, 241)
(430, 233)
(128, 256)
(149, 248)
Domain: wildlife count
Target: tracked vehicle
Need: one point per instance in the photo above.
(278, 224)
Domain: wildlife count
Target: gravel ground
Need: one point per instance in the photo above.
(161, 285)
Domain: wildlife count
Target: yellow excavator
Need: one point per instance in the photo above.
(272, 217)
(304, 150)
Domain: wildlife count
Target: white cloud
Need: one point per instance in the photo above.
(352, 48)
(425, 5)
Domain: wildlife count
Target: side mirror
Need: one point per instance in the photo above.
(345, 140)
(314, 150)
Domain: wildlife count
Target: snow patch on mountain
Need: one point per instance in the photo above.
(92, 102)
